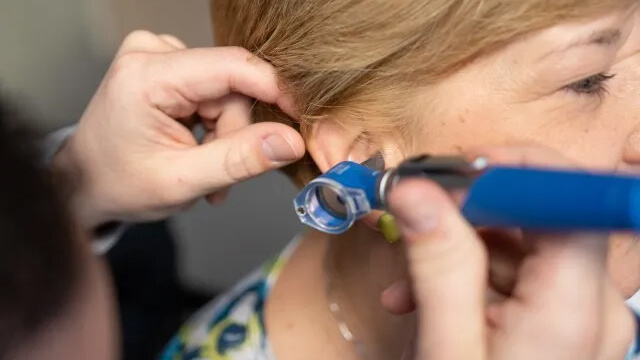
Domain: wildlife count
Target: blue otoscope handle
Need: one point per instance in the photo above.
(553, 200)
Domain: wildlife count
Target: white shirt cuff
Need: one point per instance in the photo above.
(53, 142)
(50, 147)
(102, 244)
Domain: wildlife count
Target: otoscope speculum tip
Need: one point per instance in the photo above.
(333, 201)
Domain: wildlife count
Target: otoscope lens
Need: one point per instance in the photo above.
(326, 206)
(332, 201)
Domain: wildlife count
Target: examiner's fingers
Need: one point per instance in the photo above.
(205, 74)
(448, 267)
(245, 153)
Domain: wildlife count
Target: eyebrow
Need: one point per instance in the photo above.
(606, 37)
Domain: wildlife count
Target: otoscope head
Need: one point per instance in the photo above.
(333, 201)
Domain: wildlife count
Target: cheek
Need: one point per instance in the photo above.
(580, 133)
(460, 128)
(587, 141)
(453, 117)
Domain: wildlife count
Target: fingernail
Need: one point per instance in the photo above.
(389, 228)
(278, 149)
(417, 214)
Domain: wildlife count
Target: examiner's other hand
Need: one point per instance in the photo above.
(134, 156)
(561, 304)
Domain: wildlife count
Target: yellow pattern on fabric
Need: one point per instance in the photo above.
(231, 328)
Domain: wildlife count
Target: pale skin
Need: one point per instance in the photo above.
(515, 103)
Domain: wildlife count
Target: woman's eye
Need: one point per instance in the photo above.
(592, 85)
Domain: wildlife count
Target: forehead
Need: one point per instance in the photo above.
(608, 31)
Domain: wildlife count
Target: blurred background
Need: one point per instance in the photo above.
(53, 55)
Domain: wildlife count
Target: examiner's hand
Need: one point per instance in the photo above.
(559, 302)
(134, 156)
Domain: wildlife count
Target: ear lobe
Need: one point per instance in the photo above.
(331, 143)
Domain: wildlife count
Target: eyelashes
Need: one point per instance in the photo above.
(595, 85)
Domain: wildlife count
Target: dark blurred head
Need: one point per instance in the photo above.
(54, 298)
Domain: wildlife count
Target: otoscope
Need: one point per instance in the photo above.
(496, 196)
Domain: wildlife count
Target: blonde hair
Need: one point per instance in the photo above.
(359, 61)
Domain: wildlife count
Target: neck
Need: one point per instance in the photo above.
(326, 303)
(359, 265)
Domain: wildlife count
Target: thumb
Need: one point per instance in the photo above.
(245, 153)
(448, 265)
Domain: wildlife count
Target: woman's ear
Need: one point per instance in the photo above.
(331, 143)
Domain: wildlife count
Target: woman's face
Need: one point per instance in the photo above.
(574, 88)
